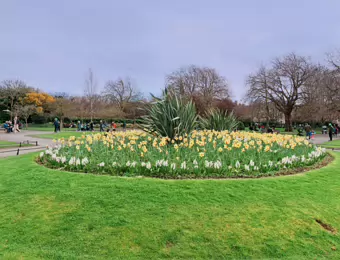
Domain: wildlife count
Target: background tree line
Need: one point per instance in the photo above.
(288, 89)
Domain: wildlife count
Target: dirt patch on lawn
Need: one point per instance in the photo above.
(326, 226)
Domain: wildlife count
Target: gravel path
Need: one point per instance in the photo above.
(23, 136)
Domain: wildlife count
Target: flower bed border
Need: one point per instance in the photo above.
(328, 158)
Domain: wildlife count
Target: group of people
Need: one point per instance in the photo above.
(113, 127)
(103, 127)
(12, 127)
(85, 127)
(330, 128)
(263, 129)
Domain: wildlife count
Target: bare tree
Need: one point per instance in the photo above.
(284, 82)
(121, 92)
(25, 111)
(62, 107)
(12, 91)
(202, 84)
(334, 59)
(90, 92)
(256, 82)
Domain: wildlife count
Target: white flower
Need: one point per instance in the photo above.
(217, 165)
(195, 162)
(63, 159)
(41, 154)
(143, 164)
(183, 165)
(173, 166)
(78, 162)
(72, 161)
(256, 168)
(270, 163)
(148, 165)
(84, 161)
(102, 164)
(230, 167)
(209, 164)
(251, 163)
(165, 163)
(128, 164)
(159, 163)
(114, 164)
(237, 164)
(133, 164)
(246, 167)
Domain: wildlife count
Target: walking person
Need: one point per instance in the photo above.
(101, 126)
(330, 132)
(308, 130)
(56, 125)
(124, 126)
(16, 124)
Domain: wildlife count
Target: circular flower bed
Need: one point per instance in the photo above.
(202, 154)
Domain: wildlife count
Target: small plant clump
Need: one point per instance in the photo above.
(201, 154)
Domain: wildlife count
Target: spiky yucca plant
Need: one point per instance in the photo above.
(170, 116)
(218, 120)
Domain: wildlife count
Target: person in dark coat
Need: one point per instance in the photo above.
(101, 126)
(56, 125)
(330, 132)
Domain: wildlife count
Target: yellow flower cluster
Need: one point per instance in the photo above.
(199, 142)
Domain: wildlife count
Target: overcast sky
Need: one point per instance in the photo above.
(50, 44)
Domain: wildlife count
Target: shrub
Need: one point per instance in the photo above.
(170, 116)
(218, 120)
(241, 126)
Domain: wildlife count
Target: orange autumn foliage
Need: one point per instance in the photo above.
(40, 100)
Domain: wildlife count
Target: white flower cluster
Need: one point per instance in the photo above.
(215, 165)
(55, 155)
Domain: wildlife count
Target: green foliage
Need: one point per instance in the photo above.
(218, 120)
(241, 126)
(170, 116)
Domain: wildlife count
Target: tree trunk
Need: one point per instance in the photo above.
(288, 122)
(26, 119)
(267, 110)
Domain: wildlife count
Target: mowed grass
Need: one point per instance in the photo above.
(333, 144)
(49, 214)
(60, 135)
(7, 144)
(48, 129)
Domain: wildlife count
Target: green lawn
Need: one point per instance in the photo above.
(48, 129)
(6, 144)
(48, 214)
(59, 135)
(333, 144)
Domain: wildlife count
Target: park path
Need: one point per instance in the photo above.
(22, 137)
